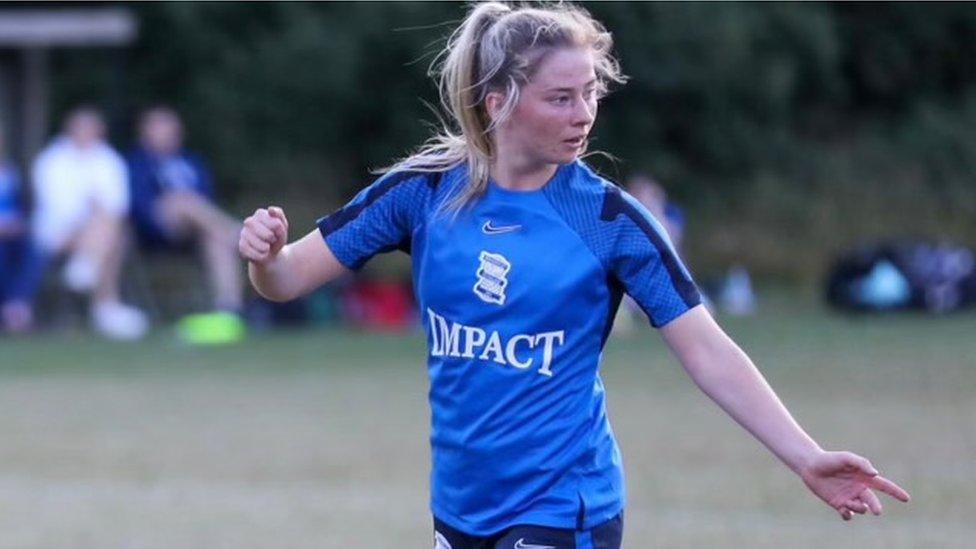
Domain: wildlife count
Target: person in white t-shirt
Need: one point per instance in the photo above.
(81, 202)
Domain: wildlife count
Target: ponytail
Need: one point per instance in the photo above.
(492, 51)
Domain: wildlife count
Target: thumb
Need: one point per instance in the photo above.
(859, 463)
(277, 213)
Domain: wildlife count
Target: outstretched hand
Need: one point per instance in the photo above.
(846, 481)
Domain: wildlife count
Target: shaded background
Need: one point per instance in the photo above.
(788, 131)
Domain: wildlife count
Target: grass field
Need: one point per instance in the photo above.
(319, 438)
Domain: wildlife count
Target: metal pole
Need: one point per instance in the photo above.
(35, 101)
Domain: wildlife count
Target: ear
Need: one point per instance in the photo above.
(493, 104)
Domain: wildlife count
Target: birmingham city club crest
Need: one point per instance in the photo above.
(492, 278)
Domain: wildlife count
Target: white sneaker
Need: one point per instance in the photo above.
(80, 274)
(116, 320)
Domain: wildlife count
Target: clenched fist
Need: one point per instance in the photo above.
(264, 234)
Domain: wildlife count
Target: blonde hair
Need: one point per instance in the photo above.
(497, 48)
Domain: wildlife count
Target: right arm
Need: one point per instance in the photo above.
(281, 272)
(379, 219)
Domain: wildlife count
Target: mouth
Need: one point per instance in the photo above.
(576, 142)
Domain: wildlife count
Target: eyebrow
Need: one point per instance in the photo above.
(587, 85)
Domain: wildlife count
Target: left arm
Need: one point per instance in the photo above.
(726, 374)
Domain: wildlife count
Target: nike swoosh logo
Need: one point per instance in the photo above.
(487, 228)
(520, 544)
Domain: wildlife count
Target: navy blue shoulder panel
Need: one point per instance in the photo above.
(339, 219)
(615, 205)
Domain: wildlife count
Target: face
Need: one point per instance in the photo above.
(650, 194)
(647, 191)
(162, 132)
(555, 112)
(85, 128)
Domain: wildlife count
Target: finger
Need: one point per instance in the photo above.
(867, 496)
(250, 246)
(279, 229)
(857, 506)
(890, 488)
(258, 214)
(259, 229)
(845, 513)
(859, 463)
(278, 213)
(250, 254)
(262, 217)
(258, 244)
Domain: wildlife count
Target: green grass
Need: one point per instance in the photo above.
(319, 438)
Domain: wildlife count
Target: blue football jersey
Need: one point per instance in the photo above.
(518, 292)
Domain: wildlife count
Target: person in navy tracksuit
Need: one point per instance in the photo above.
(173, 206)
(18, 264)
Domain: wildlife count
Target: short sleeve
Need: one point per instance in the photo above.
(381, 218)
(645, 262)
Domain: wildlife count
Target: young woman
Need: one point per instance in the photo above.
(520, 257)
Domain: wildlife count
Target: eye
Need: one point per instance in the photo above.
(560, 100)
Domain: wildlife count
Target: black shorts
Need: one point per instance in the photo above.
(603, 536)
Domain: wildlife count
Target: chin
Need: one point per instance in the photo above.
(560, 157)
(567, 158)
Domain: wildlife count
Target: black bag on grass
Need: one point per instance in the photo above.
(904, 275)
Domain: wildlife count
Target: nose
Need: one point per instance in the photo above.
(584, 113)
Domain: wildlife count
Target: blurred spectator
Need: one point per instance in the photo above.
(735, 294)
(173, 204)
(81, 199)
(652, 196)
(15, 312)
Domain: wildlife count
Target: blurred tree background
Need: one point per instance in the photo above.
(787, 131)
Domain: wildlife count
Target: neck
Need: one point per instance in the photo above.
(160, 153)
(520, 176)
(82, 145)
